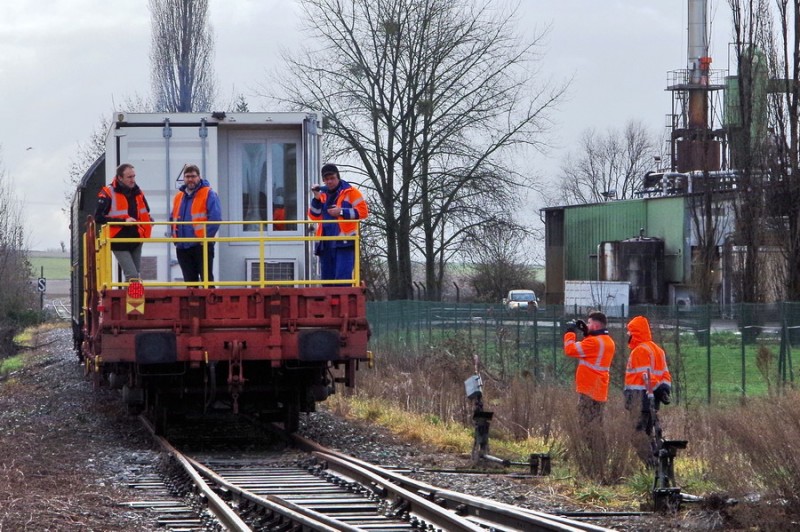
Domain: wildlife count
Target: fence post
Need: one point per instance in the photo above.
(519, 342)
(677, 352)
(469, 326)
(780, 381)
(486, 333)
(419, 326)
(744, 393)
(708, 353)
(536, 369)
(556, 335)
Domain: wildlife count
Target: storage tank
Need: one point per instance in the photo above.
(640, 261)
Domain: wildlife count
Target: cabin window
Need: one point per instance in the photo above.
(269, 175)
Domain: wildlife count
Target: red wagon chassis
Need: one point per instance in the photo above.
(192, 325)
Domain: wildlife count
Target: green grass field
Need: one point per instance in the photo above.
(54, 267)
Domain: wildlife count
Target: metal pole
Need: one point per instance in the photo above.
(743, 362)
(536, 344)
(167, 133)
(708, 352)
(41, 294)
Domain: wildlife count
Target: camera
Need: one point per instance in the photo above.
(319, 188)
(571, 325)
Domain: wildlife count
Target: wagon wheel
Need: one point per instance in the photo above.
(156, 410)
(291, 416)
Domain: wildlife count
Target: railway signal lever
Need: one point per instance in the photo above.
(666, 495)
(538, 463)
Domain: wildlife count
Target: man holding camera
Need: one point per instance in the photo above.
(595, 353)
(337, 200)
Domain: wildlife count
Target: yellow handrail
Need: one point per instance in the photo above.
(104, 258)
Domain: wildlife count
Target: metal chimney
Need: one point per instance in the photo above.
(698, 36)
(694, 144)
(698, 64)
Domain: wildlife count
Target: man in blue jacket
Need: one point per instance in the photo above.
(196, 202)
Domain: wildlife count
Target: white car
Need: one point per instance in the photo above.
(520, 299)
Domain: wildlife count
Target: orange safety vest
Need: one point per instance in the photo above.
(119, 211)
(199, 211)
(349, 199)
(595, 354)
(279, 213)
(647, 363)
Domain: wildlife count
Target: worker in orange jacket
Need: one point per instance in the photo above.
(336, 200)
(195, 202)
(124, 201)
(647, 377)
(594, 352)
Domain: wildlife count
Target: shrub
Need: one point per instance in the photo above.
(753, 448)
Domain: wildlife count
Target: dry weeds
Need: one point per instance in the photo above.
(747, 451)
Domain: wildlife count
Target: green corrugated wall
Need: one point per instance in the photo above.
(666, 219)
(586, 226)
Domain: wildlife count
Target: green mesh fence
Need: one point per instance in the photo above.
(714, 354)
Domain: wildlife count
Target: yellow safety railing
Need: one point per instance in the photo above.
(104, 262)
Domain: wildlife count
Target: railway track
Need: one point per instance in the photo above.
(326, 490)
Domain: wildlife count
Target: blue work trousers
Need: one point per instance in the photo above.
(337, 263)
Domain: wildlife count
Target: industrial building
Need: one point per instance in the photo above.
(679, 237)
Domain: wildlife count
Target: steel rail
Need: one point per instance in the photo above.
(226, 516)
(416, 504)
(478, 507)
(293, 512)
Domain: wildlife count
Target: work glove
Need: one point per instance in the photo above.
(662, 395)
(582, 326)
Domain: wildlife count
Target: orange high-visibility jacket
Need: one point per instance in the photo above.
(119, 210)
(199, 211)
(594, 353)
(352, 204)
(647, 363)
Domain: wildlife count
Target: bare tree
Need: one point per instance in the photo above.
(428, 99)
(182, 55)
(709, 214)
(85, 156)
(87, 153)
(784, 62)
(607, 166)
(500, 261)
(752, 29)
(17, 296)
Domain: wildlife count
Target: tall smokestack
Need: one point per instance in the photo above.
(698, 63)
(694, 145)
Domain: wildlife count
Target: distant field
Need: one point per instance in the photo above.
(54, 267)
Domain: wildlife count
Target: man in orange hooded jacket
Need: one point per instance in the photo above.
(647, 376)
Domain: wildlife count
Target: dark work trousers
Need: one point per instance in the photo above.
(191, 263)
(591, 414)
(337, 263)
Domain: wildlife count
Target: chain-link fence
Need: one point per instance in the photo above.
(746, 351)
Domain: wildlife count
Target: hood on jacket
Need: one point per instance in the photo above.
(639, 329)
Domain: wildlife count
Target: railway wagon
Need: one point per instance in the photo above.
(267, 337)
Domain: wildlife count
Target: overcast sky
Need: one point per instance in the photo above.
(64, 64)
